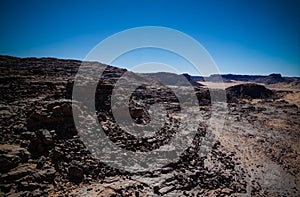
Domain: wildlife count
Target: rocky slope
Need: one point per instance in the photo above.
(42, 153)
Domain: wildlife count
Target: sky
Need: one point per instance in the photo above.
(242, 36)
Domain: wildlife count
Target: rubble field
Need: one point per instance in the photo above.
(256, 152)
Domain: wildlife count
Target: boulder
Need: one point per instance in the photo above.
(75, 172)
(45, 136)
(41, 142)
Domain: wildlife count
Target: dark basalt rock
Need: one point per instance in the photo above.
(75, 173)
(249, 91)
(41, 153)
(56, 116)
(11, 156)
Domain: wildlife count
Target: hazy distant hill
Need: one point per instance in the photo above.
(172, 78)
(269, 79)
(175, 79)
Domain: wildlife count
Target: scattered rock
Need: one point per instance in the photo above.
(36, 116)
(107, 192)
(18, 173)
(46, 175)
(54, 116)
(11, 156)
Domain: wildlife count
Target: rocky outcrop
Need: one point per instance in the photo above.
(56, 115)
(249, 91)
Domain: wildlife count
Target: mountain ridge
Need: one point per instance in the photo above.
(272, 78)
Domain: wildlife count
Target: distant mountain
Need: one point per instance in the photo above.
(269, 79)
(272, 79)
(232, 77)
(173, 79)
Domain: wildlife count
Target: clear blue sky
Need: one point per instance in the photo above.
(243, 36)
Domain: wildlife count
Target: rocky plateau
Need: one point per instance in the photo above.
(42, 153)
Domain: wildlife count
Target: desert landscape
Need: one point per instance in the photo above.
(256, 153)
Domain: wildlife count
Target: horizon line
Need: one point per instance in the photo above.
(123, 67)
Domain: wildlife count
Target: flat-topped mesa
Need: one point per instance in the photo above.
(272, 79)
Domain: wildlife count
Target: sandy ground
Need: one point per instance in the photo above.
(279, 86)
(217, 85)
(293, 98)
